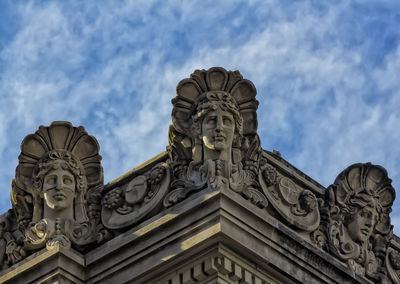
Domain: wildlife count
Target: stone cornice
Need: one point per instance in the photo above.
(213, 208)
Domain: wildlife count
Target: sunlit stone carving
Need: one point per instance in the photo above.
(123, 206)
(214, 114)
(297, 204)
(214, 190)
(213, 144)
(56, 192)
(359, 231)
(210, 113)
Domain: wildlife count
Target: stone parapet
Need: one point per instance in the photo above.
(215, 207)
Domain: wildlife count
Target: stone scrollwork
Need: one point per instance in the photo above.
(298, 205)
(392, 261)
(130, 203)
(59, 199)
(359, 228)
(214, 134)
(186, 179)
(213, 143)
(58, 174)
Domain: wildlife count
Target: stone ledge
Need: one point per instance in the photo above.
(46, 266)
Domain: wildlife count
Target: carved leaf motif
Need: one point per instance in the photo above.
(175, 196)
(180, 145)
(15, 252)
(190, 179)
(256, 197)
(58, 241)
(251, 148)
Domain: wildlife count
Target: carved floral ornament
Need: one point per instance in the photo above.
(213, 144)
(359, 227)
(55, 194)
(58, 195)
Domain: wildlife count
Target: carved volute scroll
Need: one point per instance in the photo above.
(213, 114)
(213, 143)
(359, 229)
(297, 204)
(55, 194)
(59, 199)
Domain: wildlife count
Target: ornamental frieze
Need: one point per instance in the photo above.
(59, 198)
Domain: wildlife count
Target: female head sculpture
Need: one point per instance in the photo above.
(59, 166)
(218, 124)
(204, 102)
(360, 201)
(361, 215)
(60, 180)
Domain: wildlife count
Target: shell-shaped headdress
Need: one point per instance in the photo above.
(190, 90)
(59, 135)
(365, 180)
(60, 140)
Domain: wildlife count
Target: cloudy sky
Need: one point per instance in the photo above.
(326, 72)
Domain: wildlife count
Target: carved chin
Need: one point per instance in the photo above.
(220, 145)
(216, 145)
(361, 236)
(364, 234)
(58, 204)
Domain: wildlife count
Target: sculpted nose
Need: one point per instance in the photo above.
(59, 183)
(218, 127)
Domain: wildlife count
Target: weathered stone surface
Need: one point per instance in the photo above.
(55, 194)
(359, 229)
(214, 208)
(213, 144)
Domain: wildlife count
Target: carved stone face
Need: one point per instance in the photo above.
(218, 129)
(361, 226)
(59, 189)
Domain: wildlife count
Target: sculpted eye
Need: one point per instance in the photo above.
(211, 120)
(227, 121)
(366, 214)
(51, 180)
(67, 181)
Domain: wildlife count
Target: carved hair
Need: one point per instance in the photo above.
(358, 202)
(63, 159)
(210, 101)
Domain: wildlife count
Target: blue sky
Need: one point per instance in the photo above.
(326, 74)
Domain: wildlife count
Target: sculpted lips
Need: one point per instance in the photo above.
(365, 231)
(60, 196)
(219, 137)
